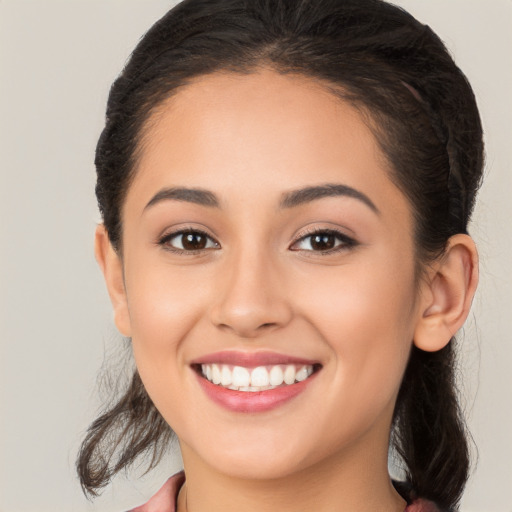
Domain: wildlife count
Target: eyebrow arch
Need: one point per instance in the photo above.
(308, 194)
(290, 199)
(189, 195)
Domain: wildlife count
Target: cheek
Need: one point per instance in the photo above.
(361, 300)
(367, 317)
(165, 306)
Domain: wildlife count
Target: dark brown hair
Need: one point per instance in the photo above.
(424, 116)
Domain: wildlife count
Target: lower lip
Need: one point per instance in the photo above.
(253, 401)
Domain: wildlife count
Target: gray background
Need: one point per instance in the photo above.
(57, 60)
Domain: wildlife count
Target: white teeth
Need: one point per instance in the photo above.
(248, 388)
(276, 376)
(302, 374)
(289, 374)
(241, 377)
(260, 378)
(226, 377)
(216, 375)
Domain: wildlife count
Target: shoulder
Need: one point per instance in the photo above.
(165, 499)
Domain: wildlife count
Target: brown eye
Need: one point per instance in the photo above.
(189, 241)
(193, 241)
(324, 242)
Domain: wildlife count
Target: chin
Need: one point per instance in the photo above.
(248, 453)
(256, 467)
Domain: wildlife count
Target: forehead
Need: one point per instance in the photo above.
(247, 108)
(255, 133)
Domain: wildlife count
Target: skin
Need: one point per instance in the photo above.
(260, 285)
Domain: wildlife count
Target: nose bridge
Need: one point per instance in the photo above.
(251, 297)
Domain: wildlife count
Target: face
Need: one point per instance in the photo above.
(262, 230)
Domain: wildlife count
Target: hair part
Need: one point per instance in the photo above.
(423, 113)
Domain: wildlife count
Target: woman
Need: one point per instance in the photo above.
(285, 189)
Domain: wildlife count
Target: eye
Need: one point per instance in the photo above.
(188, 241)
(324, 241)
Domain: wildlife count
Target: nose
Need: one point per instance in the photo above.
(252, 297)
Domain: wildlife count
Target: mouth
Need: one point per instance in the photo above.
(253, 382)
(255, 379)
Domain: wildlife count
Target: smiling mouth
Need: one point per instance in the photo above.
(260, 378)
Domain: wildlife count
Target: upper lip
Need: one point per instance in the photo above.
(251, 359)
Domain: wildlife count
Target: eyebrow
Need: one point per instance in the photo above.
(189, 195)
(308, 194)
(290, 199)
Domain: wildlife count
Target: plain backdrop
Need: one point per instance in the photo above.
(57, 61)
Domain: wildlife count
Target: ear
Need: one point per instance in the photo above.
(447, 294)
(112, 267)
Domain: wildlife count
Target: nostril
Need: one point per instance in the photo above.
(250, 317)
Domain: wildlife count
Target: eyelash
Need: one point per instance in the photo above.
(346, 241)
(164, 241)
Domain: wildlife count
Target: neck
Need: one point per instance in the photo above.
(356, 479)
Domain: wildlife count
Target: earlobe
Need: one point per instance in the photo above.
(112, 267)
(451, 287)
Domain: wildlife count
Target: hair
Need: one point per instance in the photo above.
(423, 113)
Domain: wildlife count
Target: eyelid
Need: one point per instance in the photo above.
(347, 241)
(169, 235)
